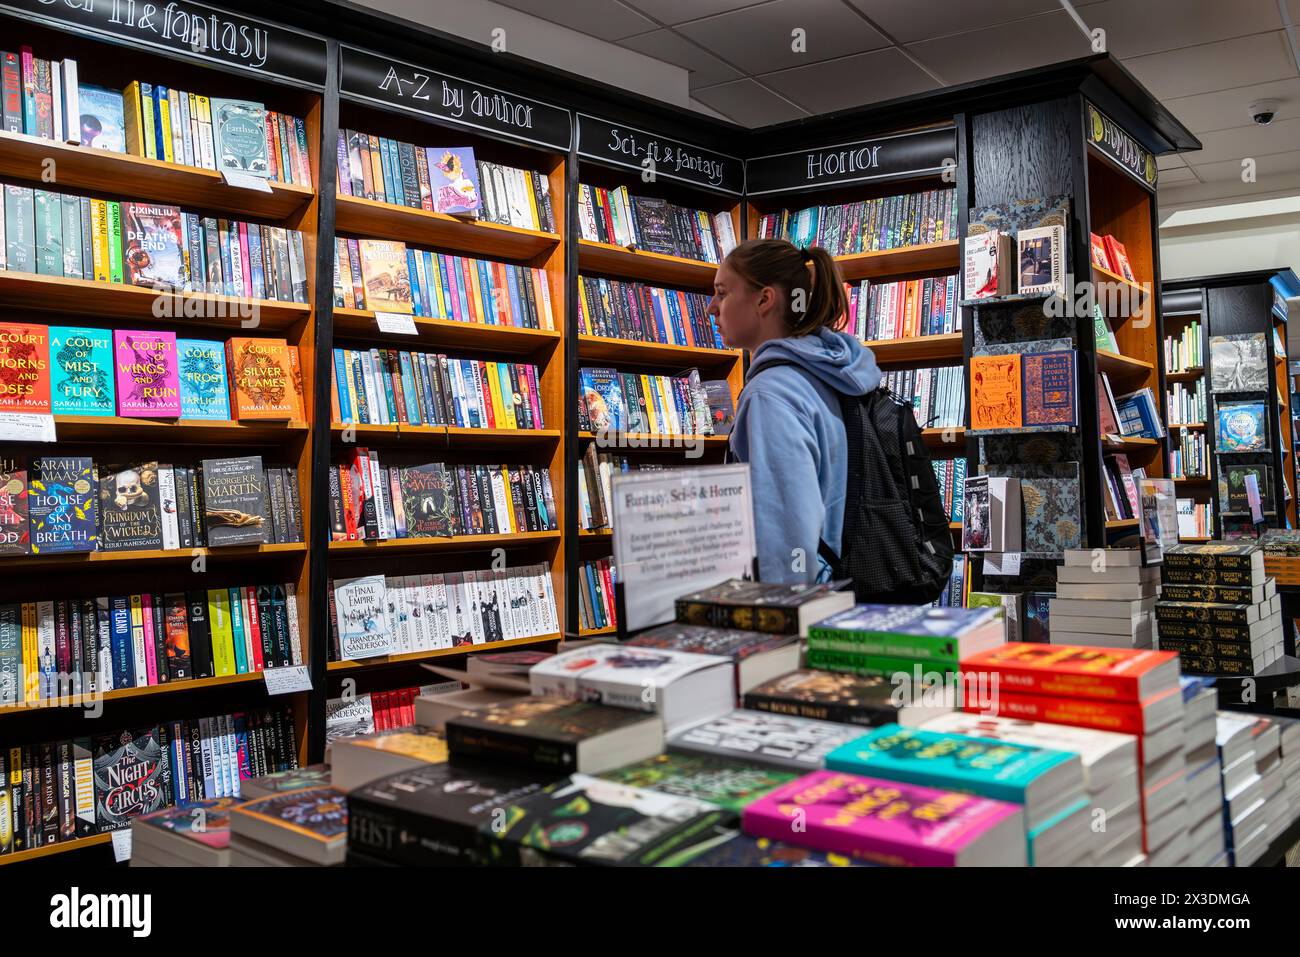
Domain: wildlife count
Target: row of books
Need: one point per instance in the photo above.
(377, 615)
(144, 244)
(1121, 500)
(595, 489)
(373, 501)
(69, 504)
(596, 609)
(72, 647)
(1110, 254)
(653, 225)
(610, 401)
(904, 309)
(888, 222)
(58, 791)
(1190, 457)
(384, 386)
(386, 276)
(644, 313)
(1195, 519)
(954, 592)
(1135, 414)
(371, 712)
(1186, 405)
(1183, 352)
(79, 370)
(441, 179)
(1015, 391)
(951, 476)
(937, 395)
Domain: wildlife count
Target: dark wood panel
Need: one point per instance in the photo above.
(1238, 309)
(1022, 152)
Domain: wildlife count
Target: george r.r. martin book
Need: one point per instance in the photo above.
(234, 496)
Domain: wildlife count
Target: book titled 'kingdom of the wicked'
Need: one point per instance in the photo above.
(153, 245)
(62, 505)
(234, 492)
(81, 364)
(130, 509)
(24, 367)
(131, 777)
(148, 383)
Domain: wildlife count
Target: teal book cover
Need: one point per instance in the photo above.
(81, 371)
(983, 766)
(1034, 833)
(205, 393)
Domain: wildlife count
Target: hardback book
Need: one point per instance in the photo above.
(24, 367)
(62, 505)
(680, 686)
(1236, 475)
(261, 379)
(721, 409)
(890, 822)
(81, 363)
(654, 224)
(771, 607)
(728, 784)
(1073, 671)
(361, 607)
(1140, 415)
(310, 824)
(554, 735)
(1239, 363)
(279, 782)
(989, 265)
(454, 175)
(832, 696)
(1041, 257)
(1118, 257)
(364, 758)
(153, 246)
(148, 379)
(130, 508)
(997, 392)
(384, 273)
(1224, 556)
(239, 137)
(1242, 426)
(234, 501)
(917, 632)
(589, 820)
(1097, 251)
(429, 501)
(14, 536)
(758, 737)
(991, 514)
(757, 656)
(102, 123)
(1049, 387)
(192, 834)
(132, 777)
(202, 372)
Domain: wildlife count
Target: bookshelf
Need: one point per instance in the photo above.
(1183, 312)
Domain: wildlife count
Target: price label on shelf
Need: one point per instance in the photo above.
(122, 845)
(245, 181)
(26, 427)
(1002, 563)
(397, 323)
(287, 680)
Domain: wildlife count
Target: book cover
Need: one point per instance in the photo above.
(653, 226)
(103, 126)
(1239, 363)
(728, 784)
(912, 631)
(1042, 260)
(759, 737)
(721, 408)
(234, 501)
(261, 378)
(132, 777)
(1097, 250)
(148, 382)
(429, 500)
(320, 814)
(205, 821)
(1049, 388)
(130, 508)
(14, 536)
(24, 367)
(81, 363)
(361, 607)
(153, 246)
(996, 392)
(455, 181)
(62, 505)
(239, 135)
(385, 275)
(536, 731)
(202, 370)
(1074, 671)
(1118, 256)
(1235, 476)
(1243, 426)
(826, 696)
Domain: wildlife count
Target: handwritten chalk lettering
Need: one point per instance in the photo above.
(840, 162)
(503, 109)
(243, 41)
(618, 143)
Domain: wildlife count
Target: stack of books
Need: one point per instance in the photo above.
(887, 640)
(1253, 784)
(757, 657)
(369, 712)
(762, 606)
(1205, 837)
(765, 738)
(363, 758)
(597, 608)
(1218, 609)
(193, 834)
(304, 828)
(1106, 600)
(1289, 733)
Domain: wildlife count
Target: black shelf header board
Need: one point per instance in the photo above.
(621, 145)
(897, 156)
(1117, 145)
(191, 30)
(440, 96)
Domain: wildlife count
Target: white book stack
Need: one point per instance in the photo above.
(1289, 731)
(1104, 598)
(1208, 847)
(1250, 752)
(1164, 794)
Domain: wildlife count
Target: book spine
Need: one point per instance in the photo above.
(1082, 713)
(510, 749)
(727, 616)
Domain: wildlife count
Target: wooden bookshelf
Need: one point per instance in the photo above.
(112, 428)
(119, 694)
(418, 227)
(453, 543)
(418, 656)
(62, 847)
(638, 264)
(447, 333)
(438, 436)
(918, 349)
(653, 442)
(177, 556)
(1186, 375)
(1123, 369)
(605, 349)
(906, 262)
(597, 632)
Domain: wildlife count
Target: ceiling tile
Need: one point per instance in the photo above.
(1280, 136)
(1008, 48)
(759, 39)
(837, 84)
(1134, 29)
(603, 19)
(1181, 175)
(1276, 164)
(673, 12)
(706, 69)
(1225, 109)
(1199, 194)
(1215, 66)
(748, 104)
(910, 20)
(1169, 161)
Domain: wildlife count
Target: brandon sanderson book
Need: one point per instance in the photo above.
(81, 378)
(14, 538)
(202, 372)
(62, 505)
(24, 367)
(261, 378)
(131, 777)
(130, 509)
(153, 246)
(361, 607)
(148, 381)
(234, 499)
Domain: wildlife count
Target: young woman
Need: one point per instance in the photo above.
(781, 302)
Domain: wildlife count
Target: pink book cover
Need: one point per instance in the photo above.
(888, 822)
(243, 258)
(148, 381)
(150, 655)
(452, 266)
(530, 373)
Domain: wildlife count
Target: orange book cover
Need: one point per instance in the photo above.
(383, 272)
(1118, 256)
(1075, 671)
(295, 377)
(261, 379)
(24, 367)
(995, 393)
(1123, 717)
(1099, 255)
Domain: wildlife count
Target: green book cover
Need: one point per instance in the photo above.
(728, 784)
(20, 229)
(49, 233)
(73, 267)
(81, 376)
(114, 242)
(1101, 331)
(925, 632)
(882, 665)
(237, 635)
(223, 651)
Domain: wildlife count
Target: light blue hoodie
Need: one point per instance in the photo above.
(789, 429)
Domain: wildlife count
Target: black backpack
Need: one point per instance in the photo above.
(896, 546)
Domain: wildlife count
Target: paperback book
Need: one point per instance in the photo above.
(153, 246)
(202, 373)
(24, 367)
(148, 380)
(234, 501)
(62, 505)
(82, 379)
(130, 508)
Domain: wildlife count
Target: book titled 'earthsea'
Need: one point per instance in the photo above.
(890, 822)
(148, 383)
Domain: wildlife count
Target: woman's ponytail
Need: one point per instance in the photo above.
(809, 277)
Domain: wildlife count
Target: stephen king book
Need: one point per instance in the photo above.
(62, 505)
(81, 363)
(153, 245)
(130, 508)
(132, 777)
(24, 367)
(261, 378)
(204, 392)
(14, 539)
(234, 500)
(148, 382)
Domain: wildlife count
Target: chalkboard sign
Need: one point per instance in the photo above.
(623, 145)
(1119, 147)
(381, 79)
(193, 30)
(886, 157)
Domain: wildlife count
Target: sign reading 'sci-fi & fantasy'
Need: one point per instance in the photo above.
(623, 145)
(921, 153)
(1120, 148)
(191, 29)
(381, 79)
